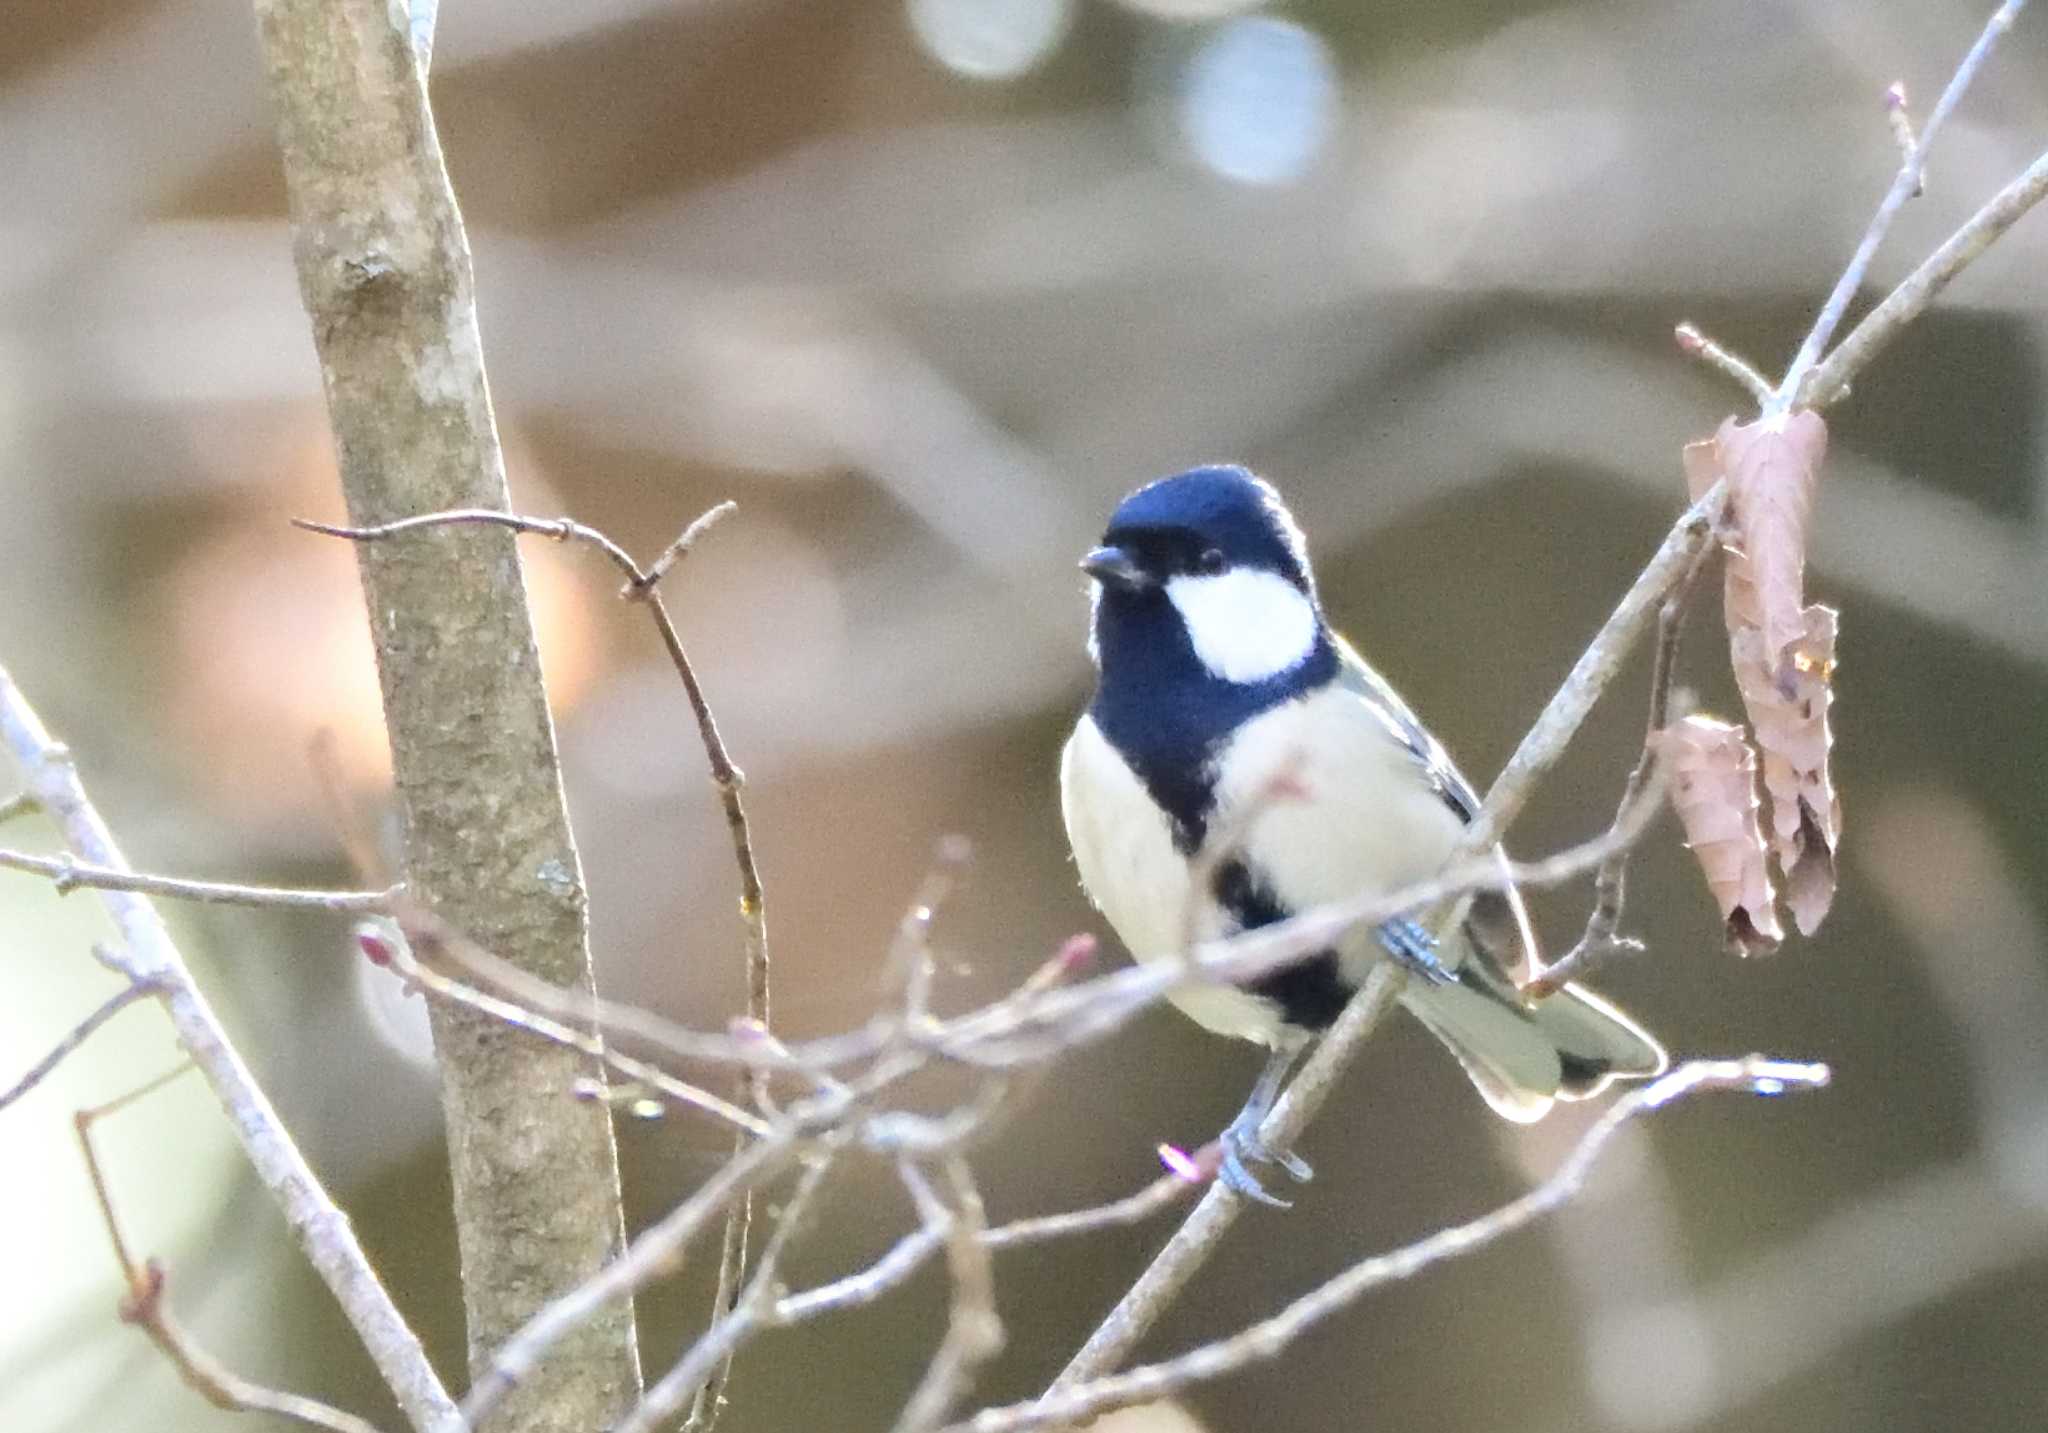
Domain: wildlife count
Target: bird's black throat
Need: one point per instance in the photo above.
(1167, 714)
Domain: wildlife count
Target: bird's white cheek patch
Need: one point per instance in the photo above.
(1246, 625)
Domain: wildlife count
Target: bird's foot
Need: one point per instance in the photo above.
(1415, 949)
(1242, 1147)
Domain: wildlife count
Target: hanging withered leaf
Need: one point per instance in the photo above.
(1782, 651)
(1772, 467)
(1713, 789)
(1788, 706)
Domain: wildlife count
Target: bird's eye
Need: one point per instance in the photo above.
(1210, 562)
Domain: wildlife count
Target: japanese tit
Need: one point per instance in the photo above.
(1235, 742)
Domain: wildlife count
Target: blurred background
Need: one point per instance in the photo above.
(926, 286)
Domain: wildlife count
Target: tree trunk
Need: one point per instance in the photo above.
(384, 270)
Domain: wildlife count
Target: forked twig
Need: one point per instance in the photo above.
(974, 1331)
(642, 585)
(1795, 387)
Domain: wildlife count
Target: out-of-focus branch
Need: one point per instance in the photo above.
(67, 875)
(753, 1311)
(147, 955)
(974, 1331)
(384, 272)
(909, 1253)
(144, 1305)
(1077, 1399)
(113, 1005)
(406, 965)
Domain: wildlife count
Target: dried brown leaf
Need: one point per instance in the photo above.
(1772, 467)
(1788, 703)
(1713, 790)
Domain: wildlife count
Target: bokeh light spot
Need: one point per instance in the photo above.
(990, 39)
(1257, 100)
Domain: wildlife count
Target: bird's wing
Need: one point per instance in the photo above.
(1497, 920)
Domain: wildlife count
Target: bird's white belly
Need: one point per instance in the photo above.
(1321, 799)
(1123, 847)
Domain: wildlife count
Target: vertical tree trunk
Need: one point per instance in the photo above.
(384, 270)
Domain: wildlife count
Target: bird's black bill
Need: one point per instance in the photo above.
(1116, 567)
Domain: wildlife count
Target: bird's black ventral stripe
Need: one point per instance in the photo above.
(1311, 993)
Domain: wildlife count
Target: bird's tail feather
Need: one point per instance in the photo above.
(1522, 1057)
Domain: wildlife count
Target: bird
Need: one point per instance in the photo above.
(1240, 763)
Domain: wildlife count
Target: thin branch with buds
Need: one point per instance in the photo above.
(1829, 381)
(145, 1307)
(1795, 387)
(1692, 342)
(401, 960)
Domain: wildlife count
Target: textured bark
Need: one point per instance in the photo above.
(384, 270)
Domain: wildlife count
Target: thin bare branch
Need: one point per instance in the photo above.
(974, 1331)
(675, 551)
(145, 1307)
(19, 804)
(68, 874)
(1829, 380)
(1134, 1208)
(1074, 1400)
(1601, 939)
(1202, 1231)
(654, 1253)
(1695, 344)
(117, 1002)
(1904, 185)
(399, 958)
(624, 1021)
(908, 1254)
(709, 1360)
(1900, 118)
(322, 1230)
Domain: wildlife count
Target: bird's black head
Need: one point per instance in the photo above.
(1205, 616)
(1201, 523)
